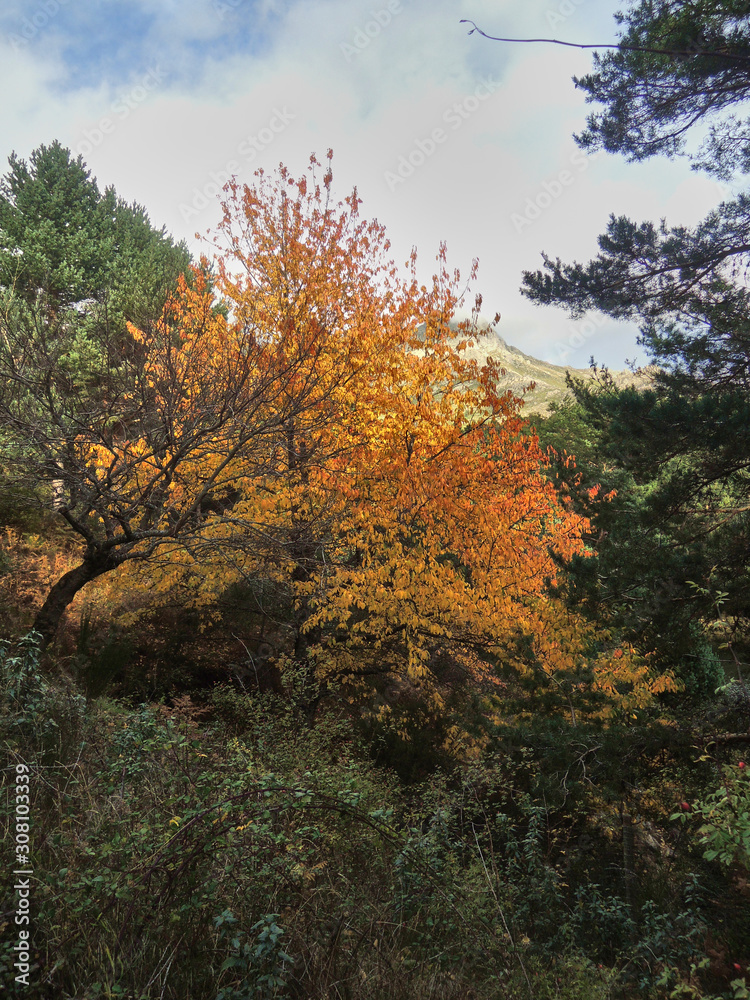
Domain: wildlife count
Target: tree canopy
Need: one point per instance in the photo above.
(308, 415)
(60, 237)
(685, 286)
(677, 65)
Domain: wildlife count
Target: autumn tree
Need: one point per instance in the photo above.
(308, 415)
(189, 411)
(410, 513)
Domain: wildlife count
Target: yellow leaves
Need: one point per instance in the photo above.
(375, 469)
(663, 683)
(627, 679)
(138, 336)
(591, 683)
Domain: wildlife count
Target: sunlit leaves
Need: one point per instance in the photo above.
(393, 488)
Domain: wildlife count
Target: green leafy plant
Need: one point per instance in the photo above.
(262, 963)
(725, 818)
(43, 716)
(701, 669)
(23, 686)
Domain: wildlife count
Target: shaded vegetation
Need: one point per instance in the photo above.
(323, 674)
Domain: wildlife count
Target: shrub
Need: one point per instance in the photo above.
(701, 670)
(724, 816)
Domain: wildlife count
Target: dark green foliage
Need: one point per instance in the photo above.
(23, 687)
(144, 266)
(636, 579)
(273, 860)
(75, 266)
(651, 102)
(262, 962)
(642, 579)
(56, 229)
(681, 63)
(36, 716)
(101, 665)
(701, 669)
(410, 741)
(61, 238)
(686, 440)
(680, 520)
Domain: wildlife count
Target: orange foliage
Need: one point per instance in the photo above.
(29, 566)
(393, 486)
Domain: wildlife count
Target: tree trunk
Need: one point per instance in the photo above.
(62, 593)
(628, 863)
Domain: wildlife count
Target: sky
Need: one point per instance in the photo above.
(447, 136)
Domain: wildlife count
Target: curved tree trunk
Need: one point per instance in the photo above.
(62, 593)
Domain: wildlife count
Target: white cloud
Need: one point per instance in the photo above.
(259, 66)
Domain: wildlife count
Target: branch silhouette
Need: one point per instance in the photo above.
(605, 45)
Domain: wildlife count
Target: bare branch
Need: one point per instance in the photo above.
(607, 45)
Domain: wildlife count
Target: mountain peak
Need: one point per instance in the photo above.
(521, 369)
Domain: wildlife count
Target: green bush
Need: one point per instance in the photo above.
(700, 670)
(255, 855)
(40, 717)
(724, 817)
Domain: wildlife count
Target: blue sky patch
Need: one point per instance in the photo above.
(116, 42)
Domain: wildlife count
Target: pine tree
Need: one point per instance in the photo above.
(679, 67)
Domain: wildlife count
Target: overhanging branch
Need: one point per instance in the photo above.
(608, 45)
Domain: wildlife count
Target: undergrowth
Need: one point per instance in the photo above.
(228, 849)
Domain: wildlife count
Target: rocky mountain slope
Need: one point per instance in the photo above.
(550, 387)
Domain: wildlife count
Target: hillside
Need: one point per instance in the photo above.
(550, 385)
